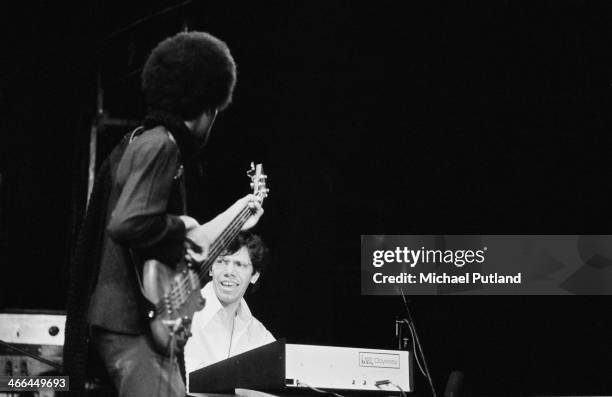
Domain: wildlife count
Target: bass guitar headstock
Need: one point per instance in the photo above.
(258, 181)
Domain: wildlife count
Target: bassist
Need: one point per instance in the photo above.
(137, 212)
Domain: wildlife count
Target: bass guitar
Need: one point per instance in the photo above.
(174, 294)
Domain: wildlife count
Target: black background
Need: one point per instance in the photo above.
(488, 117)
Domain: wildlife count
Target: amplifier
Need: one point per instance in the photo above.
(282, 366)
(41, 334)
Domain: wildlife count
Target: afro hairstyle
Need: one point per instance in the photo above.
(189, 73)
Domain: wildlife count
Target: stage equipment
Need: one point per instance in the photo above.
(279, 366)
(31, 343)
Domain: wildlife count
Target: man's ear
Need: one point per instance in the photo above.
(254, 277)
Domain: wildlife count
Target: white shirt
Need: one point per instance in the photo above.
(212, 340)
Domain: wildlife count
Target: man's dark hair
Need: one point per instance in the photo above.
(188, 74)
(258, 252)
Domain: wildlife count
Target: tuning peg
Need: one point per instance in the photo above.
(251, 170)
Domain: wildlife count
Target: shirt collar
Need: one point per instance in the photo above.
(213, 303)
(186, 140)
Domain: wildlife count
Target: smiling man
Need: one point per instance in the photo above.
(226, 327)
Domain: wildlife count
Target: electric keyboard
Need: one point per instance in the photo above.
(282, 366)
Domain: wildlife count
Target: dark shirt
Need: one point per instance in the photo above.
(146, 199)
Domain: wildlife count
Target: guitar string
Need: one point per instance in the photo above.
(182, 287)
(217, 246)
(230, 232)
(232, 229)
(220, 241)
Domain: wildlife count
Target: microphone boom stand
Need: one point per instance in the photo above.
(412, 328)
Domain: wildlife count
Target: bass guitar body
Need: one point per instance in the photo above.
(174, 296)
